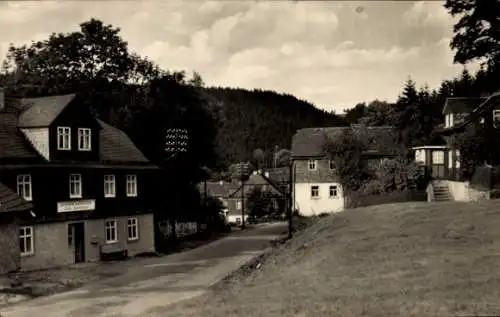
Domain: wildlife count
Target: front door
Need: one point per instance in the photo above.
(78, 231)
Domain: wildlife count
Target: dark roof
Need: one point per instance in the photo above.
(115, 145)
(41, 112)
(461, 104)
(10, 201)
(218, 189)
(12, 142)
(279, 174)
(257, 180)
(485, 105)
(309, 142)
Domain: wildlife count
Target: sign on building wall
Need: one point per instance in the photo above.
(77, 205)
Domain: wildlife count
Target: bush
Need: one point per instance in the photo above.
(373, 187)
(397, 175)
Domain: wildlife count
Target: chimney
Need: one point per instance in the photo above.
(266, 174)
(2, 98)
(259, 172)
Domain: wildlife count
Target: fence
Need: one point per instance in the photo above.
(182, 229)
(358, 200)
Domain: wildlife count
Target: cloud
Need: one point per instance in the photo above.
(329, 53)
(427, 13)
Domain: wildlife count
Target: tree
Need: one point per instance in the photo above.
(477, 32)
(408, 120)
(283, 157)
(258, 158)
(378, 113)
(346, 151)
(67, 62)
(353, 115)
(260, 203)
(196, 80)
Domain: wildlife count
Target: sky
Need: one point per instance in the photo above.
(333, 54)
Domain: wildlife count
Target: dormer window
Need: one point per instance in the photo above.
(448, 120)
(84, 139)
(331, 165)
(496, 118)
(64, 138)
(311, 164)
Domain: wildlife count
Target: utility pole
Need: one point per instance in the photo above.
(176, 145)
(243, 169)
(291, 200)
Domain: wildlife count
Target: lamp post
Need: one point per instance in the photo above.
(176, 146)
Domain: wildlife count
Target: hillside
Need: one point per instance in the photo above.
(262, 119)
(412, 259)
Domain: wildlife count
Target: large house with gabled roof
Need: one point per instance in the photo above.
(442, 156)
(92, 190)
(316, 187)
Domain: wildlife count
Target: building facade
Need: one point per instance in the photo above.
(316, 187)
(92, 190)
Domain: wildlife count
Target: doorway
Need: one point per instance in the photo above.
(76, 234)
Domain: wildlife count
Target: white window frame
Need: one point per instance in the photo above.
(26, 232)
(131, 185)
(496, 116)
(24, 186)
(313, 196)
(331, 165)
(238, 205)
(84, 139)
(448, 120)
(64, 138)
(437, 157)
(312, 165)
(75, 179)
(109, 186)
(112, 226)
(335, 188)
(131, 224)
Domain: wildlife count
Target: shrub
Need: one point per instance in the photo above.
(397, 175)
(372, 187)
(346, 151)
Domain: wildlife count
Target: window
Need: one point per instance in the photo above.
(111, 232)
(24, 186)
(457, 158)
(131, 185)
(448, 120)
(496, 118)
(63, 138)
(437, 157)
(314, 191)
(331, 164)
(109, 186)
(84, 139)
(311, 164)
(133, 229)
(238, 205)
(333, 191)
(26, 240)
(75, 186)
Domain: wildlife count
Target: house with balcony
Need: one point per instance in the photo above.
(316, 187)
(442, 156)
(92, 190)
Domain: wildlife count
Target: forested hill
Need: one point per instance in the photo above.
(262, 119)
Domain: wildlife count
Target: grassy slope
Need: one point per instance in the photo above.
(413, 259)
